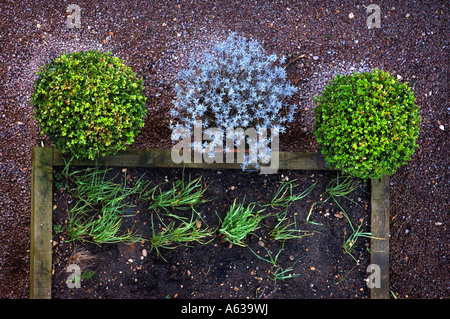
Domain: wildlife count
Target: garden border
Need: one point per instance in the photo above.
(44, 158)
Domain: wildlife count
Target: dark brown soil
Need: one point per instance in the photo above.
(217, 269)
(155, 39)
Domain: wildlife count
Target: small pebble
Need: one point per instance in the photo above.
(144, 252)
(351, 15)
(441, 127)
(315, 58)
(261, 243)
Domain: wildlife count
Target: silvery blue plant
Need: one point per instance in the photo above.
(234, 85)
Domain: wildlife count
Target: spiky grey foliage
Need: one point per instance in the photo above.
(235, 85)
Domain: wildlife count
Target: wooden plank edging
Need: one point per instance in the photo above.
(43, 160)
(162, 158)
(41, 223)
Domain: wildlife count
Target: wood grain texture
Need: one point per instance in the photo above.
(41, 223)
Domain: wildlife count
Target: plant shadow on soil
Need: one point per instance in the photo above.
(320, 266)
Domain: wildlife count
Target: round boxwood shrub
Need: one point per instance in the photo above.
(367, 124)
(89, 103)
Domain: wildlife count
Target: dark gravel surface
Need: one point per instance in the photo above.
(156, 39)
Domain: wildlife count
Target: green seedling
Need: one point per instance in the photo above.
(277, 272)
(98, 226)
(182, 196)
(97, 214)
(87, 274)
(240, 221)
(341, 187)
(285, 230)
(336, 188)
(351, 240)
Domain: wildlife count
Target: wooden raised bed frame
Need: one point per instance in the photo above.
(44, 158)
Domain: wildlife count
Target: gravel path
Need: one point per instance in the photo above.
(157, 38)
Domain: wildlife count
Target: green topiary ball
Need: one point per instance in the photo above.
(89, 103)
(367, 124)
